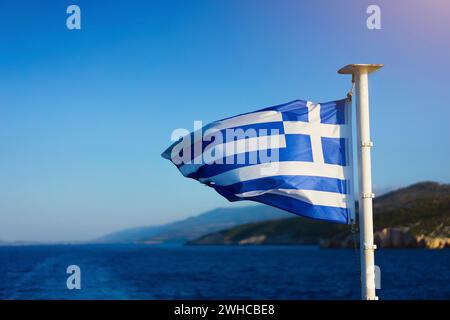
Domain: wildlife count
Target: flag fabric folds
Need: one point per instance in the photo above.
(295, 156)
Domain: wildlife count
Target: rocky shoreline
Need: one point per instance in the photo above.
(399, 237)
(389, 238)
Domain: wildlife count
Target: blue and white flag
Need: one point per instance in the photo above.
(295, 156)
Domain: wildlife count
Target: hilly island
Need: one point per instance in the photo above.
(417, 216)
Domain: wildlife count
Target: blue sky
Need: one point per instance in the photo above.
(85, 114)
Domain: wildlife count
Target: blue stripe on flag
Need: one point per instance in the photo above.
(289, 182)
(299, 207)
(290, 107)
(296, 110)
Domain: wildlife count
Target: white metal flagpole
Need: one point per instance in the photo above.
(360, 73)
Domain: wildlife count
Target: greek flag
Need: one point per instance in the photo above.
(295, 156)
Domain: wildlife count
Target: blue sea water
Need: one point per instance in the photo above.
(216, 272)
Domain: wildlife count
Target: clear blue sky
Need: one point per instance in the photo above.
(85, 115)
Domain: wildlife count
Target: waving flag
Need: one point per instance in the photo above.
(295, 156)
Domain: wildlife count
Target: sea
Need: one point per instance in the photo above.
(216, 272)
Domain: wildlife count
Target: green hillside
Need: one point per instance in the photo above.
(420, 209)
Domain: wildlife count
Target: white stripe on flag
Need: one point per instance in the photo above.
(301, 168)
(326, 130)
(315, 197)
(246, 119)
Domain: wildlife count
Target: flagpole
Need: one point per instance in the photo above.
(360, 74)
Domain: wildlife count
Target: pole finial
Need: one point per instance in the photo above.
(359, 68)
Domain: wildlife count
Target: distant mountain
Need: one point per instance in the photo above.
(415, 216)
(194, 227)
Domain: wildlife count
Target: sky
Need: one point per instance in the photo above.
(85, 114)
